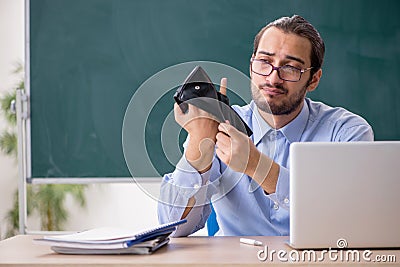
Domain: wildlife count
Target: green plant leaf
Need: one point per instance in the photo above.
(8, 143)
(5, 106)
(50, 200)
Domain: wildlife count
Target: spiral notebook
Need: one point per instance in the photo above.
(111, 240)
(147, 247)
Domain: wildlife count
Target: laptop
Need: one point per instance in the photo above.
(345, 195)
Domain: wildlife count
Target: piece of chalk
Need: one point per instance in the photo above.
(250, 242)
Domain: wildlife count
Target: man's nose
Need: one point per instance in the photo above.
(274, 78)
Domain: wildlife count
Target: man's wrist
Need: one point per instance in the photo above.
(201, 135)
(263, 170)
(252, 163)
(199, 153)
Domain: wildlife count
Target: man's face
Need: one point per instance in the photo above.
(270, 93)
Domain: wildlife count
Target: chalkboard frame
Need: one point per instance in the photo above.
(317, 94)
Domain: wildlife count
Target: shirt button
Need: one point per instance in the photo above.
(196, 186)
(286, 201)
(276, 206)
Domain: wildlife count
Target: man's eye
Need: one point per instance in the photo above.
(265, 61)
(292, 68)
(262, 60)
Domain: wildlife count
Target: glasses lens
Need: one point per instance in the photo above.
(261, 67)
(289, 73)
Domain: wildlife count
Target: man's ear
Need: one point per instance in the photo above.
(312, 85)
(252, 55)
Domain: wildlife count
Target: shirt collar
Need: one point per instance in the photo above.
(292, 131)
(260, 126)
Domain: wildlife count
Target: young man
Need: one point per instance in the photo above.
(247, 178)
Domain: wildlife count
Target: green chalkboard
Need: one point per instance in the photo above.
(89, 57)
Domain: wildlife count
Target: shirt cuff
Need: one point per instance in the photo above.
(187, 178)
(185, 182)
(281, 196)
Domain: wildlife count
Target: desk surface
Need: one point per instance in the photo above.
(189, 251)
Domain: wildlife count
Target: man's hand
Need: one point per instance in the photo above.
(198, 123)
(235, 149)
(202, 128)
(238, 152)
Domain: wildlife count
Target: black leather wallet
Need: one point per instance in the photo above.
(199, 90)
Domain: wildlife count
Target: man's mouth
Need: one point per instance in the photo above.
(272, 91)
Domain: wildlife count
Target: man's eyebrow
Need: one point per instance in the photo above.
(287, 56)
(266, 53)
(296, 59)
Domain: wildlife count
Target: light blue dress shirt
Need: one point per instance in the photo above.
(241, 205)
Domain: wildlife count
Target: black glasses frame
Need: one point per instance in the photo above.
(277, 69)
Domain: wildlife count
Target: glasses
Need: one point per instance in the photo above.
(286, 73)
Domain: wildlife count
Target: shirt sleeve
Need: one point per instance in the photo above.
(361, 132)
(176, 190)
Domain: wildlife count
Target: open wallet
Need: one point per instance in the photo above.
(199, 90)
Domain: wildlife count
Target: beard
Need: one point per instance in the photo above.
(285, 107)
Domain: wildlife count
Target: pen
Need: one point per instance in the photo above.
(250, 242)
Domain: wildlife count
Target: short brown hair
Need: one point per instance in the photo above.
(301, 27)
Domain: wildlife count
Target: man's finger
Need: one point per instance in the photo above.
(223, 129)
(222, 87)
(222, 156)
(227, 129)
(223, 141)
(177, 109)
